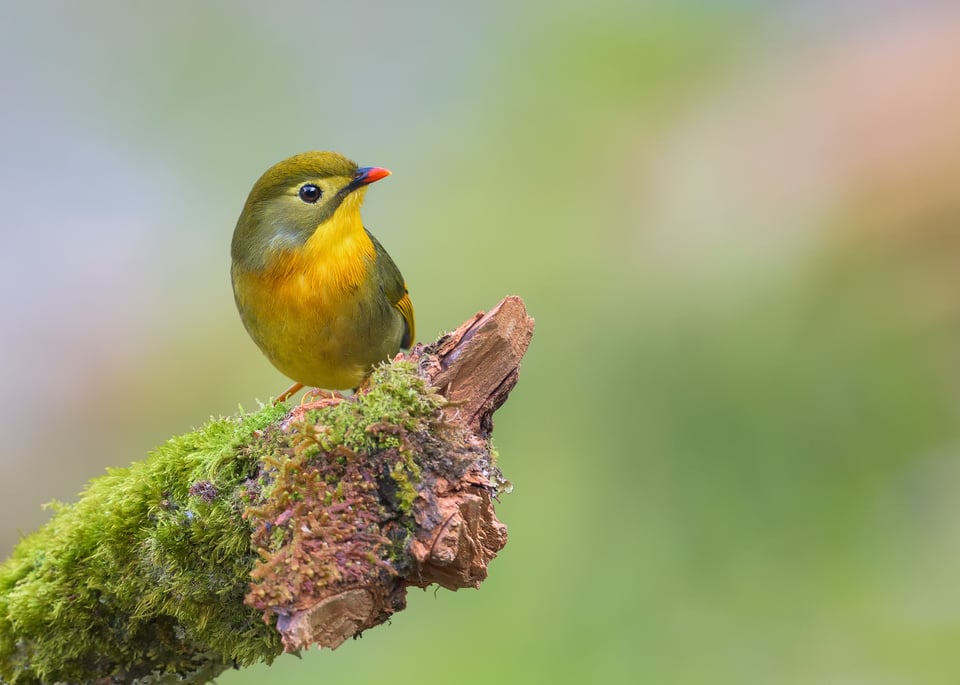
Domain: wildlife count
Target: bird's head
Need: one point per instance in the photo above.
(295, 198)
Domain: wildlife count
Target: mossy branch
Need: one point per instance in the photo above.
(272, 531)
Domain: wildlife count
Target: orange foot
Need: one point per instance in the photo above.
(313, 399)
(321, 396)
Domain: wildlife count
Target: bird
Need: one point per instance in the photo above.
(315, 289)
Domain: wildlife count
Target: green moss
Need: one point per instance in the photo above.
(351, 462)
(406, 492)
(114, 583)
(147, 574)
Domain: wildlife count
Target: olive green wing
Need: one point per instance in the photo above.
(394, 287)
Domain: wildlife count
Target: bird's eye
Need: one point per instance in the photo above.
(310, 193)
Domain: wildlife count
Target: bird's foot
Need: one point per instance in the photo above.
(315, 398)
(321, 396)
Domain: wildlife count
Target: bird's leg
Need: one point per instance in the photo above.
(288, 393)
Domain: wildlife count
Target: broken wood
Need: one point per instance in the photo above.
(273, 531)
(474, 368)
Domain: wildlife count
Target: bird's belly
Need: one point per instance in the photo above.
(316, 337)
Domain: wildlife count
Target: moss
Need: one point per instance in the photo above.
(406, 492)
(397, 397)
(145, 576)
(113, 583)
(340, 485)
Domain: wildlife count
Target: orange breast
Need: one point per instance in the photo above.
(313, 311)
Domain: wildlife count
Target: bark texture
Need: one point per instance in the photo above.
(457, 532)
(272, 531)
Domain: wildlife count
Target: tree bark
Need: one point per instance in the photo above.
(273, 531)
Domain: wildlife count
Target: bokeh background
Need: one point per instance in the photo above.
(735, 443)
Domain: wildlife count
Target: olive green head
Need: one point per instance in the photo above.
(293, 199)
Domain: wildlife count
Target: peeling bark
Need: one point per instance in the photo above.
(457, 531)
(263, 532)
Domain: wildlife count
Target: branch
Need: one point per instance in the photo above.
(272, 531)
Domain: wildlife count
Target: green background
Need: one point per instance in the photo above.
(735, 439)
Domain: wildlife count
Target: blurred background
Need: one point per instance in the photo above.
(735, 443)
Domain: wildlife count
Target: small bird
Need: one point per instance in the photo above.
(316, 290)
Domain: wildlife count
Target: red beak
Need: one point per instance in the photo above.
(368, 174)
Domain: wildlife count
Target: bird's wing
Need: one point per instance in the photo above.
(395, 289)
